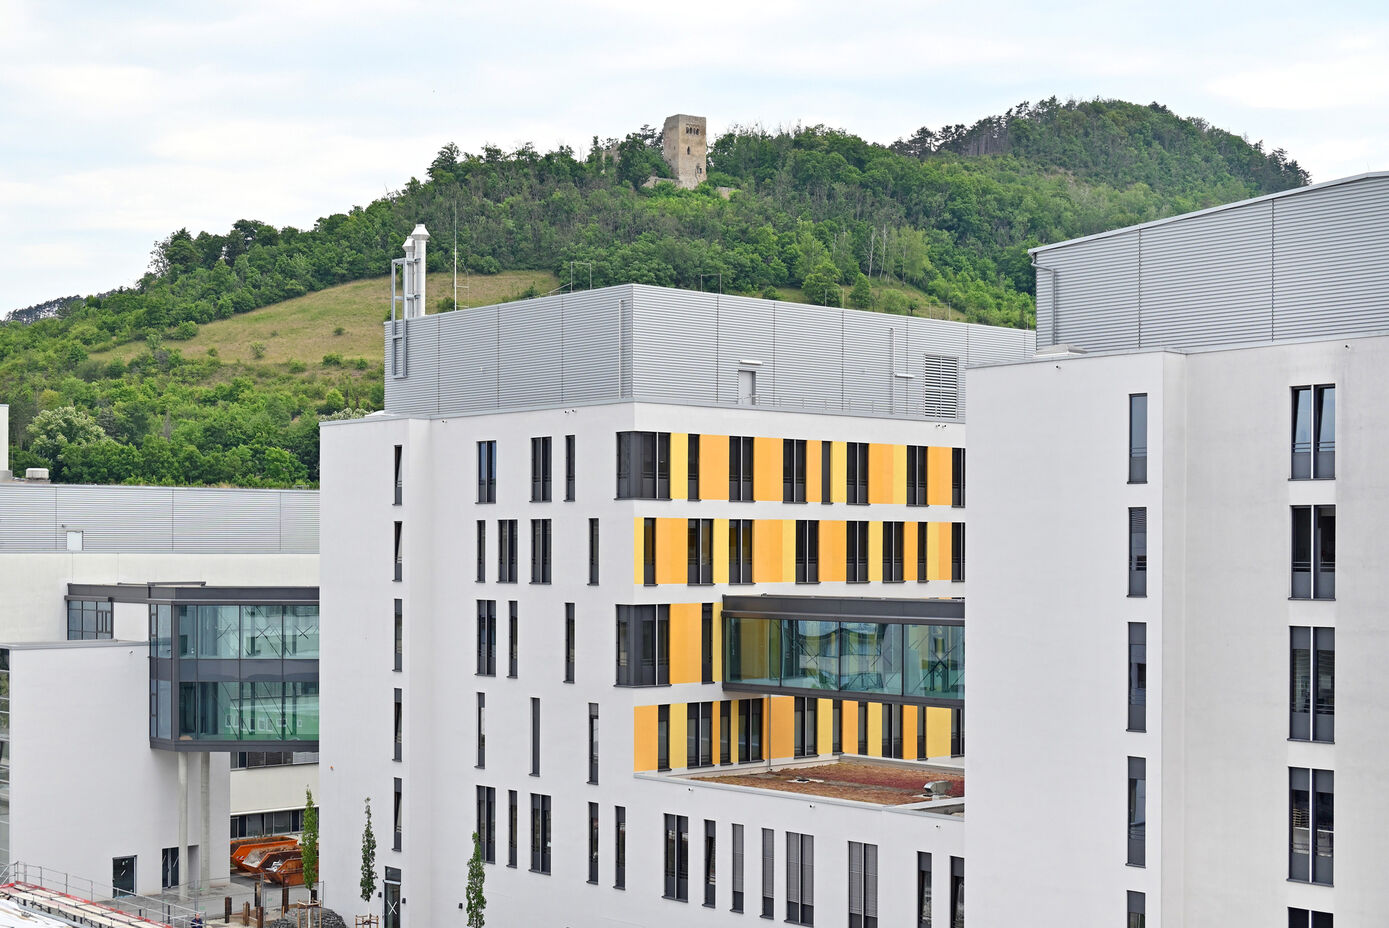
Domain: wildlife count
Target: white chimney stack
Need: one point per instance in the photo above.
(415, 272)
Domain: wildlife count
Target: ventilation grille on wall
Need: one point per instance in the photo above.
(941, 380)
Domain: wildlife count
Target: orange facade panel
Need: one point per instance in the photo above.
(766, 470)
(938, 464)
(767, 542)
(833, 550)
(685, 644)
(672, 550)
(875, 552)
(839, 472)
(814, 469)
(781, 732)
(909, 540)
(679, 465)
(713, 467)
(644, 738)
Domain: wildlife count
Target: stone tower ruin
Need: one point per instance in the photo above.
(684, 145)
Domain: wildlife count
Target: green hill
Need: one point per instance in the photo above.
(217, 365)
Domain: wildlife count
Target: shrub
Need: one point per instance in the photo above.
(257, 350)
(332, 359)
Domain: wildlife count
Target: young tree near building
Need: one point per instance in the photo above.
(308, 844)
(368, 858)
(476, 902)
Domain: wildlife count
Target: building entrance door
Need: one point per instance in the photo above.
(391, 893)
(123, 876)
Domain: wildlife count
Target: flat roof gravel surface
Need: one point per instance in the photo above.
(884, 784)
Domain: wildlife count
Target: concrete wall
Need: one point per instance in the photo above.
(269, 789)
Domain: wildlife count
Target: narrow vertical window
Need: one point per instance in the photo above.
(1138, 438)
(535, 736)
(800, 879)
(1138, 676)
(957, 732)
(1138, 812)
(807, 551)
(793, 470)
(486, 637)
(1138, 551)
(1136, 909)
(863, 885)
(481, 550)
(1314, 432)
(737, 868)
(916, 475)
(739, 550)
(481, 731)
(1311, 825)
(692, 468)
(923, 890)
(506, 551)
(957, 552)
(569, 643)
(700, 558)
(1324, 459)
(837, 726)
(957, 892)
(856, 552)
(540, 551)
(677, 858)
(397, 816)
(487, 822)
(540, 470)
(740, 469)
(399, 636)
(957, 477)
(648, 552)
(892, 730)
(593, 843)
(862, 727)
(592, 552)
(399, 475)
(826, 483)
(540, 833)
(399, 742)
(620, 847)
(706, 643)
(856, 474)
(1324, 673)
(710, 842)
(513, 644)
(512, 826)
(593, 743)
(1302, 552)
(487, 472)
(1314, 552)
(725, 735)
(663, 737)
(768, 873)
(399, 552)
(892, 552)
(569, 468)
(922, 533)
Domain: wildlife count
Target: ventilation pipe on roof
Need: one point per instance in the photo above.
(415, 272)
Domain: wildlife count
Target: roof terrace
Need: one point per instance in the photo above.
(908, 785)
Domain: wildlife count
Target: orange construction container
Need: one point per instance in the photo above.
(247, 857)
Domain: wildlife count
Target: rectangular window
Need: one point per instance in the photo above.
(826, 483)
(1314, 432)
(1313, 684)
(800, 879)
(487, 472)
(1138, 812)
(648, 552)
(725, 735)
(862, 727)
(593, 743)
(593, 843)
(512, 827)
(957, 552)
(398, 743)
(513, 644)
(481, 730)
(706, 643)
(710, 842)
(807, 551)
(663, 737)
(643, 465)
(90, 620)
(740, 469)
(540, 470)
(592, 552)
(923, 889)
(540, 833)
(737, 868)
(892, 552)
(569, 467)
(793, 470)
(481, 550)
(922, 533)
(399, 552)
(1137, 904)
(506, 550)
(837, 725)
(487, 822)
(768, 873)
(957, 732)
(863, 885)
(1303, 918)
(1311, 825)
(892, 730)
(643, 645)
(957, 892)
(620, 847)
(739, 550)
(399, 636)
(957, 477)
(677, 858)
(1314, 552)
(804, 730)
(1138, 676)
(535, 736)
(397, 813)
(754, 729)
(701, 740)
(399, 475)
(916, 475)
(487, 637)
(692, 468)
(1138, 438)
(857, 473)
(856, 552)
(701, 552)
(1138, 551)
(540, 550)
(569, 642)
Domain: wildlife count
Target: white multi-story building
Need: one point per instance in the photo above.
(149, 637)
(1156, 604)
(727, 533)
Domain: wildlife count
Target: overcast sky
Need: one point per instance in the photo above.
(121, 122)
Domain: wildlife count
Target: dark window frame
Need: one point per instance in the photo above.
(699, 569)
(487, 471)
(643, 465)
(807, 551)
(793, 470)
(856, 473)
(1138, 438)
(542, 461)
(740, 469)
(541, 551)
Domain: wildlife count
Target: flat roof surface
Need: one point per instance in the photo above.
(884, 784)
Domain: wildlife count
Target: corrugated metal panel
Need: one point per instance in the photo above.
(1096, 290)
(593, 337)
(467, 359)
(529, 353)
(299, 522)
(1207, 279)
(683, 325)
(746, 331)
(28, 518)
(1331, 261)
(809, 358)
(868, 345)
(124, 519)
(225, 520)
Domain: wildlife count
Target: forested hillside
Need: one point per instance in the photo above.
(939, 222)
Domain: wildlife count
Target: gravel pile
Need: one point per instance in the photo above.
(331, 919)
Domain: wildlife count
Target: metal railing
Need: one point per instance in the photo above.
(123, 907)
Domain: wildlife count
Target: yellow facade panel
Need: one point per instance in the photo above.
(781, 727)
(839, 472)
(937, 731)
(909, 551)
(880, 473)
(679, 465)
(684, 642)
(848, 723)
(875, 729)
(832, 550)
(644, 738)
(733, 757)
(721, 550)
(909, 745)
(672, 550)
(938, 476)
(813, 471)
(788, 550)
(824, 726)
(875, 551)
(678, 743)
(766, 550)
(940, 549)
(898, 494)
(713, 467)
(766, 470)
